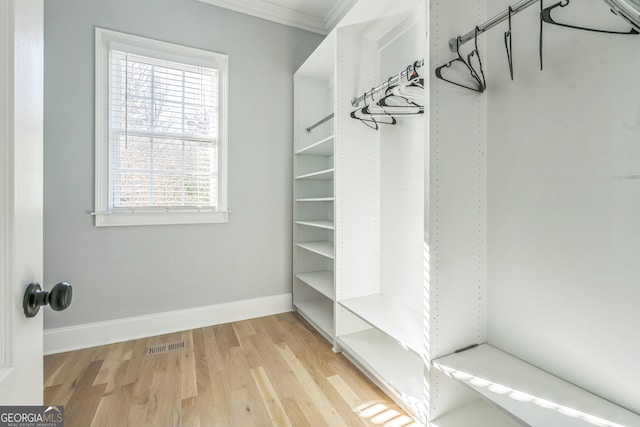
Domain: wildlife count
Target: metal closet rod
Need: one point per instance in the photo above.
(383, 86)
(518, 7)
(318, 123)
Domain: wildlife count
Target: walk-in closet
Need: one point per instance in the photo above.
(442, 200)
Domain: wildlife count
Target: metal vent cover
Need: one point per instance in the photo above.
(627, 9)
(164, 348)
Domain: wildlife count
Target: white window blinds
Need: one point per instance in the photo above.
(163, 134)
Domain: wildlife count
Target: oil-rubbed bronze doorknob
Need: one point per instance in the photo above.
(58, 298)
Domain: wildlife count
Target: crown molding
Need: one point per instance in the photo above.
(337, 12)
(273, 12)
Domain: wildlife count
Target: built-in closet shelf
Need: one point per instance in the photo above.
(528, 393)
(400, 322)
(316, 199)
(319, 312)
(399, 369)
(323, 147)
(326, 224)
(479, 413)
(323, 175)
(321, 281)
(320, 248)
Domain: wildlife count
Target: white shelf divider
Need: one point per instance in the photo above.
(321, 248)
(319, 312)
(321, 281)
(399, 369)
(323, 147)
(479, 413)
(323, 175)
(401, 323)
(529, 394)
(316, 199)
(326, 224)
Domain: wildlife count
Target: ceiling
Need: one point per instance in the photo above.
(318, 16)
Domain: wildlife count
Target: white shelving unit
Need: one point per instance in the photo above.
(313, 191)
(401, 323)
(529, 394)
(380, 199)
(533, 230)
(359, 200)
(507, 219)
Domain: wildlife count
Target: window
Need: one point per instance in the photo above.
(160, 132)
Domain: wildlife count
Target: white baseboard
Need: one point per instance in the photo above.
(88, 335)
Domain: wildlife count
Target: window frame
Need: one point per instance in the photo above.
(104, 214)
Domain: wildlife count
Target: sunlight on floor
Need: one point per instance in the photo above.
(379, 414)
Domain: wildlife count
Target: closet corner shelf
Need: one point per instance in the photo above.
(381, 356)
(478, 414)
(321, 281)
(326, 224)
(323, 175)
(396, 320)
(530, 394)
(318, 312)
(321, 248)
(323, 147)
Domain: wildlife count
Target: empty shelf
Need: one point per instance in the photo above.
(321, 281)
(401, 323)
(323, 147)
(318, 312)
(320, 248)
(323, 175)
(326, 224)
(477, 414)
(529, 394)
(400, 369)
(316, 199)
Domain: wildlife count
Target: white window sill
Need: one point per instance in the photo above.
(124, 218)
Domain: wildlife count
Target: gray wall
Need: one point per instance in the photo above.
(120, 272)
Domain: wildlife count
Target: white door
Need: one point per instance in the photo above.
(21, 103)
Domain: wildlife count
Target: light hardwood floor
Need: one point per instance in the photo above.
(272, 370)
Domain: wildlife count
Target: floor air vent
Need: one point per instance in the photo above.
(164, 348)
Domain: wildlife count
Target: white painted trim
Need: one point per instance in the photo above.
(115, 218)
(337, 12)
(6, 185)
(275, 13)
(100, 333)
(101, 124)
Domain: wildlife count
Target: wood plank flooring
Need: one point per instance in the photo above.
(272, 370)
